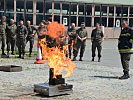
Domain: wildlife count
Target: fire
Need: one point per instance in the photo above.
(56, 56)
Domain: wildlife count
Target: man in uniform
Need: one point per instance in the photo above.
(3, 33)
(21, 34)
(125, 47)
(30, 36)
(10, 30)
(72, 38)
(81, 41)
(97, 38)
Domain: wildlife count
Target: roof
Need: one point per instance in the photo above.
(114, 2)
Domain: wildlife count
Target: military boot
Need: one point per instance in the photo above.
(74, 59)
(125, 76)
(80, 59)
(12, 53)
(92, 59)
(3, 53)
(99, 59)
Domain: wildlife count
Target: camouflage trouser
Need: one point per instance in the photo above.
(31, 41)
(125, 58)
(10, 41)
(81, 46)
(21, 46)
(99, 48)
(2, 39)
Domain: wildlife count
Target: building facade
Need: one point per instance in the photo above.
(109, 14)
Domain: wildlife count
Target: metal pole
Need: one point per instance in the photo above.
(101, 15)
(25, 12)
(121, 15)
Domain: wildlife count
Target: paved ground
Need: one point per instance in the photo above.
(91, 80)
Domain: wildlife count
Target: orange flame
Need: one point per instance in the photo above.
(55, 56)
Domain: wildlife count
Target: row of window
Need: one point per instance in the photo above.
(67, 8)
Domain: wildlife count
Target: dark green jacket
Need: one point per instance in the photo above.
(21, 32)
(10, 30)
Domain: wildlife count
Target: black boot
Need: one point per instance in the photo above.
(125, 76)
(92, 59)
(3, 53)
(99, 59)
(80, 59)
(22, 57)
(74, 59)
(12, 53)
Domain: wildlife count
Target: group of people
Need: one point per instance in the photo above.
(77, 40)
(20, 35)
(12, 35)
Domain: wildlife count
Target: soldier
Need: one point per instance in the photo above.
(97, 39)
(10, 30)
(3, 33)
(81, 41)
(125, 47)
(72, 39)
(21, 34)
(30, 36)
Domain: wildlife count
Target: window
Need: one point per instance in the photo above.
(73, 9)
(20, 16)
(20, 5)
(81, 9)
(104, 10)
(104, 21)
(39, 6)
(97, 10)
(96, 20)
(65, 9)
(57, 8)
(131, 12)
(125, 11)
(48, 17)
(88, 10)
(30, 18)
(1, 5)
(111, 11)
(39, 18)
(118, 11)
(10, 5)
(29, 6)
(88, 22)
(48, 7)
(73, 19)
(131, 22)
(57, 18)
(9, 16)
(80, 20)
(111, 22)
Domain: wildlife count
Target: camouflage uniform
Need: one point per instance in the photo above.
(30, 37)
(10, 30)
(96, 37)
(82, 33)
(3, 36)
(21, 34)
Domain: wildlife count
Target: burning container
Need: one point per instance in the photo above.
(56, 86)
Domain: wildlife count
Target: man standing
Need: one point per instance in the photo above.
(72, 38)
(30, 36)
(125, 47)
(97, 39)
(10, 30)
(21, 34)
(3, 33)
(81, 41)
